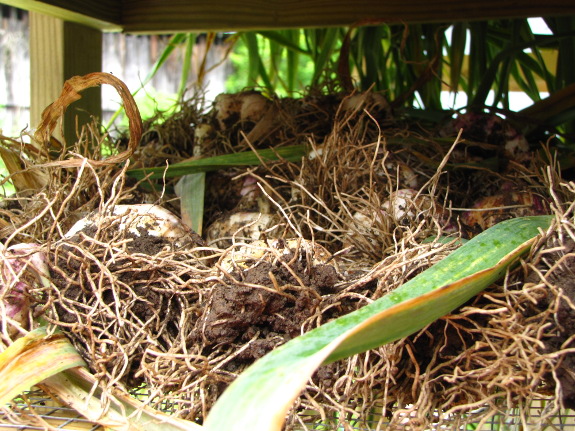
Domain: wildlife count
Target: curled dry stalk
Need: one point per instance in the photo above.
(51, 182)
(71, 93)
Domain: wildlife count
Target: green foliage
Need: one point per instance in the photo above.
(410, 64)
(288, 65)
(292, 153)
(151, 101)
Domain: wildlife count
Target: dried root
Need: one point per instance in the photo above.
(174, 322)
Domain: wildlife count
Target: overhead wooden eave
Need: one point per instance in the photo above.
(104, 15)
(170, 16)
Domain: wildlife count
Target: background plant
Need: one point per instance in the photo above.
(411, 64)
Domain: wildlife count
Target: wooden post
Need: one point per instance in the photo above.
(58, 51)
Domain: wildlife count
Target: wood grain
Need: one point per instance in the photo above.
(58, 51)
(181, 15)
(168, 16)
(100, 14)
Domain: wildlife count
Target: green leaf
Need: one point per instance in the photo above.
(292, 153)
(287, 40)
(524, 74)
(478, 55)
(254, 59)
(324, 53)
(292, 61)
(457, 54)
(186, 65)
(262, 72)
(261, 396)
(192, 189)
(489, 74)
(370, 57)
(33, 358)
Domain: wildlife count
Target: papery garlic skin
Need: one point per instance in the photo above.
(240, 226)
(490, 210)
(229, 109)
(138, 219)
(405, 205)
(270, 250)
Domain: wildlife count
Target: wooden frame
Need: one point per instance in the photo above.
(170, 16)
(59, 50)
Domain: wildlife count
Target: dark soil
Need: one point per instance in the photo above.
(95, 308)
(563, 278)
(266, 302)
(261, 308)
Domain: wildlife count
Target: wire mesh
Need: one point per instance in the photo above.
(37, 411)
(512, 420)
(39, 405)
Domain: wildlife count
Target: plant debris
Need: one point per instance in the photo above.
(376, 202)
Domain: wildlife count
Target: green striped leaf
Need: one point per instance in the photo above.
(261, 396)
(292, 153)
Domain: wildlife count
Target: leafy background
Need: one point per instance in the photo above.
(414, 66)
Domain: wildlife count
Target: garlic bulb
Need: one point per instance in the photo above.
(271, 250)
(250, 218)
(364, 228)
(406, 205)
(230, 109)
(138, 220)
(375, 103)
(240, 226)
(203, 135)
(491, 210)
(402, 174)
(490, 129)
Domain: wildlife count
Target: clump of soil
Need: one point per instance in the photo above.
(116, 294)
(131, 303)
(264, 306)
(559, 269)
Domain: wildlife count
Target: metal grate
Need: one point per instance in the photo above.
(46, 409)
(511, 421)
(63, 418)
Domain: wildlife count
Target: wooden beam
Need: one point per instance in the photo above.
(151, 16)
(58, 51)
(170, 16)
(101, 14)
